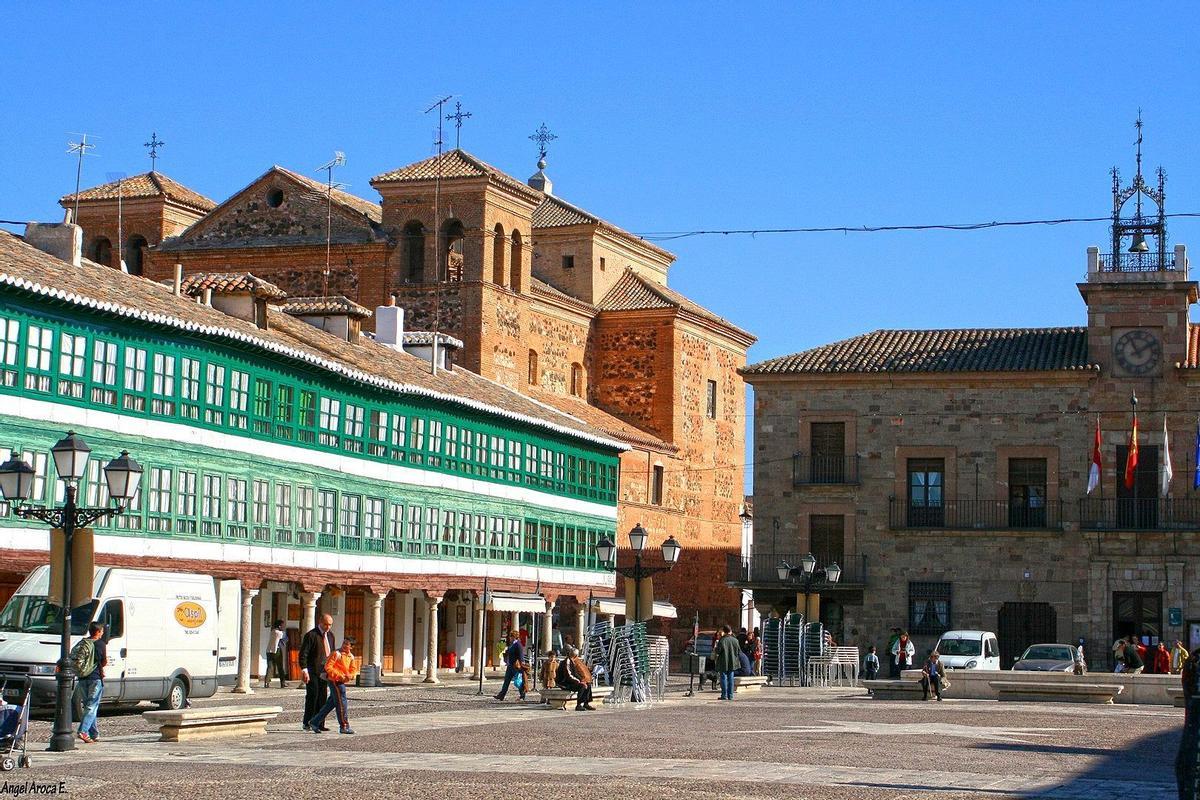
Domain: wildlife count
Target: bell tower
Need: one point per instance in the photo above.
(1138, 294)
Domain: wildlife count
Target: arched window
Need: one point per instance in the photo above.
(135, 252)
(498, 248)
(533, 368)
(101, 251)
(453, 236)
(577, 380)
(414, 252)
(515, 261)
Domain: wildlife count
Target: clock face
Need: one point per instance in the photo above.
(1138, 351)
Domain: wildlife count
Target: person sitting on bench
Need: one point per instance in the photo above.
(574, 676)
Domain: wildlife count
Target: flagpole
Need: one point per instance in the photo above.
(1133, 450)
(1100, 485)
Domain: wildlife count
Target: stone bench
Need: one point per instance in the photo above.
(559, 698)
(749, 683)
(895, 689)
(206, 723)
(1066, 692)
(1176, 695)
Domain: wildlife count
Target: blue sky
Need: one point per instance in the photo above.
(670, 118)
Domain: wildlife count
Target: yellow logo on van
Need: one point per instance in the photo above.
(190, 615)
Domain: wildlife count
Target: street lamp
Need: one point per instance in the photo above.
(16, 485)
(809, 576)
(606, 554)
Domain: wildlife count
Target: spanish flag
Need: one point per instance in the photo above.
(1131, 460)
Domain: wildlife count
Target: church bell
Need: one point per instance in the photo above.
(1139, 244)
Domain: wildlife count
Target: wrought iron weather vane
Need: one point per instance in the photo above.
(153, 146)
(458, 116)
(542, 136)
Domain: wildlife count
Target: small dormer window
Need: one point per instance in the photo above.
(568, 262)
(275, 198)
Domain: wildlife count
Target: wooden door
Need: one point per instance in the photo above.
(1023, 624)
(353, 628)
(389, 633)
(827, 538)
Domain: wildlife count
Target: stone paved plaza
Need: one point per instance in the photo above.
(444, 742)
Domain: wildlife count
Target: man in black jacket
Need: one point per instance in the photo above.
(315, 648)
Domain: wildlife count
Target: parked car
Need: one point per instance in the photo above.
(969, 650)
(1047, 658)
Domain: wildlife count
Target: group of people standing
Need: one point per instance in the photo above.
(1132, 657)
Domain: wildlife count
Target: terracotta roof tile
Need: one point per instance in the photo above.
(1193, 350)
(554, 212)
(314, 306)
(962, 350)
(148, 184)
(634, 292)
(454, 164)
(602, 420)
(372, 211)
(230, 283)
(545, 289)
(26, 269)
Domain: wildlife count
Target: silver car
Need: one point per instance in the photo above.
(1047, 658)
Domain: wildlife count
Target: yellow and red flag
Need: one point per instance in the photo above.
(1131, 460)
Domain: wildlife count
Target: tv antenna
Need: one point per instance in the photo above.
(440, 105)
(81, 147)
(338, 160)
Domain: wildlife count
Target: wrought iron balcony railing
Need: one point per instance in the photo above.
(1149, 514)
(1136, 262)
(809, 469)
(763, 568)
(984, 515)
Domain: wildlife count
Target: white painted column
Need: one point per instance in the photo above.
(581, 627)
(479, 647)
(515, 623)
(244, 637)
(375, 627)
(308, 617)
(431, 668)
(547, 638)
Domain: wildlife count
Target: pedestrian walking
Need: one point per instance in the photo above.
(514, 666)
(725, 656)
(1187, 759)
(1160, 660)
(871, 664)
(315, 649)
(1179, 655)
(1118, 652)
(902, 654)
(931, 676)
(1134, 663)
(893, 665)
(276, 655)
(574, 676)
(340, 669)
(88, 657)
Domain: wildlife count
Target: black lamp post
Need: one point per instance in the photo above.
(16, 485)
(809, 576)
(606, 553)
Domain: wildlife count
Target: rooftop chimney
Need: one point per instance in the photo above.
(389, 324)
(63, 240)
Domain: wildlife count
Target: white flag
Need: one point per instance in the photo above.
(1165, 473)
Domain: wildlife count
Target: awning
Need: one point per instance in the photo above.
(515, 601)
(615, 606)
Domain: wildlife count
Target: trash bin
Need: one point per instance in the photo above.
(369, 676)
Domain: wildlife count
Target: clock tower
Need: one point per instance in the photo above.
(1138, 295)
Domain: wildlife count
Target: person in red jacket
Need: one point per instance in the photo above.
(340, 669)
(1160, 659)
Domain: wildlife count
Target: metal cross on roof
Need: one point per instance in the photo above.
(458, 116)
(153, 146)
(542, 135)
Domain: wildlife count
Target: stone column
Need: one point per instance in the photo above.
(479, 646)
(431, 667)
(243, 677)
(308, 614)
(581, 627)
(547, 627)
(375, 628)
(515, 622)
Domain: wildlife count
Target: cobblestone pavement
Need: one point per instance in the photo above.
(438, 742)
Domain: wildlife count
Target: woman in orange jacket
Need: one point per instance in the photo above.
(340, 669)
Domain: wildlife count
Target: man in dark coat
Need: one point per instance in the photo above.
(315, 648)
(514, 665)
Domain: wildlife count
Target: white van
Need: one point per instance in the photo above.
(969, 650)
(170, 635)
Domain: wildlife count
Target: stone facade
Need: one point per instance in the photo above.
(1065, 567)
